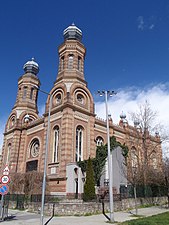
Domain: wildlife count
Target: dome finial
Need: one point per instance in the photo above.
(31, 67)
(72, 33)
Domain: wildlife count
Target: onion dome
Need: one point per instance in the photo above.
(122, 116)
(72, 33)
(136, 123)
(157, 134)
(123, 119)
(31, 67)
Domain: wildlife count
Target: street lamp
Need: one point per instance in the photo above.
(110, 169)
(46, 156)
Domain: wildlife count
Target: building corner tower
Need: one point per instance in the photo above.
(25, 110)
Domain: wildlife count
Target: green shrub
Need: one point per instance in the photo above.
(89, 187)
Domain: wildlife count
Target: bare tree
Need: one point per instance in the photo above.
(165, 176)
(26, 183)
(149, 151)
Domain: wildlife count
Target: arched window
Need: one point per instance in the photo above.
(56, 145)
(80, 98)
(8, 154)
(12, 120)
(79, 63)
(24, 92)
(34, 148)
(62, 63)
(134, 158)
(79, 143)
(99, 141)
(70, 62)
(31, 94)
(58, 98)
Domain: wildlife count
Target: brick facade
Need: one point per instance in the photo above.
(72, 107)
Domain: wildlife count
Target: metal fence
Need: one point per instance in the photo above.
(144, 191)
(125, 192)
(21, 199)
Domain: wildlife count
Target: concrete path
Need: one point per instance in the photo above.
(26, 218)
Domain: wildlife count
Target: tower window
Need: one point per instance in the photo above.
(79, 144)
(70, 62)
(62, 63)
(58, 98)
(24, 92)
(56, 144)
(80, 98)
(13, 121)
(31, 94)
(79, 62)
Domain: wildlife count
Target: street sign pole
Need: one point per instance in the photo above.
(2, 206)
(4, 180)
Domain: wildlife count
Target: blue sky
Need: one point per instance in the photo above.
(127, 48)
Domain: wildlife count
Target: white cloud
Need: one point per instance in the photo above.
(41, 109)
(128, 99)
(146, 23)
(141, 25)
(151, 27)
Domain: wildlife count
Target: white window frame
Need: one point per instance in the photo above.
(55, 145)
(70, 61)
(79, 144)
(8, 154)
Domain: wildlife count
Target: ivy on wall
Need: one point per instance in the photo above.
(101, 155)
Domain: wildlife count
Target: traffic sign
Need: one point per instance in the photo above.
(6, 170)
(4, 189)
(5, 179)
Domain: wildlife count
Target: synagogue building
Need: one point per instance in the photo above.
(74, 129)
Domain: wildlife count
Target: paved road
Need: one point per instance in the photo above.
(26, 218)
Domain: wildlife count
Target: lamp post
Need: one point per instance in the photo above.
(46, 156)
(110, 168)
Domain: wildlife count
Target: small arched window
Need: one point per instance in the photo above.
(58, 98)
(79, 144)
(99, 141)
(70, 62)
(79, 63)
(80, 98)
(55, 145)
(24, 92)
(31, 93)
(62, 63)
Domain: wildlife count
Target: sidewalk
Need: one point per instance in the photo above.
(25, 218)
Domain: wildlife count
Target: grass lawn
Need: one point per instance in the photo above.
(161, 219)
